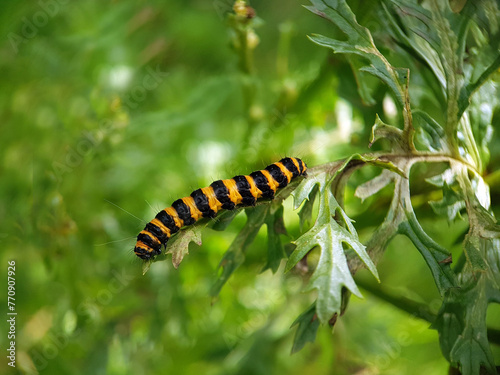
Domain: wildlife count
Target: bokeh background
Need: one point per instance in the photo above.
(110, 110)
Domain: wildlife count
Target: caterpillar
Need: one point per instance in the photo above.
(242, 191)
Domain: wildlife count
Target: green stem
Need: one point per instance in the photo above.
(245, 42)
(245, 54)
(416, 309)
(418, 157)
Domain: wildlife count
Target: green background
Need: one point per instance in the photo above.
(93, 144)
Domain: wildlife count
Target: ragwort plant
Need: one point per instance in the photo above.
(448, 57)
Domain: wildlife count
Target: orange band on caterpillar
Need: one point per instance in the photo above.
(207, 202)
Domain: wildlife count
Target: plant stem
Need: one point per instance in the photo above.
(415, 309)
(418, 157)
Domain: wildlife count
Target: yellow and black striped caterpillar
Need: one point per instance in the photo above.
(206, 202)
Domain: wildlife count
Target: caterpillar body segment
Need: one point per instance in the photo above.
(242, 191)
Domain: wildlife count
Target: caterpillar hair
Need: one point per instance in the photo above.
(241, 191)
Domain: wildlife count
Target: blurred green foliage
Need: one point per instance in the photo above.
(111, 110)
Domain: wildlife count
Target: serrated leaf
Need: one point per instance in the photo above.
(332, 272)
(178, 245)
(303, 191)
(336, 45)
(450, 206)
(466, 343)
(461, 322)
(359, 43)
(339, 13)
(412, 29)
(431, 132)
(308, 325)
(391, 133)
(472, 351)
(235, 255)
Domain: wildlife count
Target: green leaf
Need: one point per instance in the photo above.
(305, 214)
(467, 91)
(472, 351)
(359, 45)
(222, 221)
(481, 107)
(412, 29)
(395, 78)
(235, 255)
(308, 325)
(461, 322)
(275, 228)
(336, 45)
(332, 272)
(400, 140)
(438, 36)
(450, 206)
(483, 225)
(431, 133)
(476, 192)
(365, 85)
(304, 191)
(391, 133)
(437, 258)
(339, 13)
(473, 254)
(450, 51)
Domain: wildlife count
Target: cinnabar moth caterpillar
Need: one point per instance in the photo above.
(206, 202)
